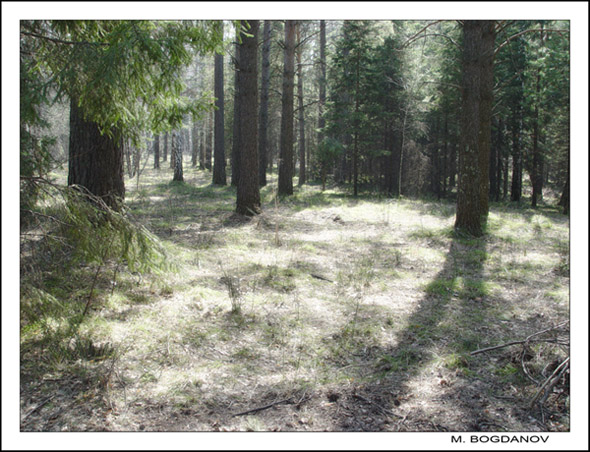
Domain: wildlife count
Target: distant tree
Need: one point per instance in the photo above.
(236, 145)
(157, 151)
(248, 191)
(219, 151)
(264, 88)
(300, 107)
(177, 153)
(286, 168)
(322, 82)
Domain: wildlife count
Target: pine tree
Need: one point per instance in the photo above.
(248, 192)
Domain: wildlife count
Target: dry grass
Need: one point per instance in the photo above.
(329, 313)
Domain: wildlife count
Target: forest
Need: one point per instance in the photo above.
(294, 225)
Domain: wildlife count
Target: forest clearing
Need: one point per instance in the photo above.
(324, 313)
(299, 226)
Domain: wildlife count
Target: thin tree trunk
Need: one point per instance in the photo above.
(195, 145)
(177, 154)
(219, 177)
(286, 151)
(236, 145)
(301, 118)
(157, 151)
(264, 86)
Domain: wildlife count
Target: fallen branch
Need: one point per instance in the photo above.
(265, 407)
(525, 341)
(551, 381)
(320, 277)
(41, 405)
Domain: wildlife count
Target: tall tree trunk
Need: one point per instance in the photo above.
(516, 185)
(165, 147)
(468, 217)
(486, 68)
(209, 143)
(286, 151)
(176, 152)
(157, 151)
(236, 145)
(564, 201)
(219, 177)
(355, 148)
(195, 147)
(248, 192)
(301, 118)
(95, 160)
(322, 95)
(264, 86)
(537, 169)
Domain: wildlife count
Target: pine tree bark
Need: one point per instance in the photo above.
(95, 160)
(219, 177)
(235, 154)
(195, 145)
(322, 94)
(301, 116)
(157, 151)
(264, 87)
(286, 151)
(177, 154)
(486, 69)
(468, 218)
(248, 191)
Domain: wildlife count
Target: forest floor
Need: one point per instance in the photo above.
(325, 313)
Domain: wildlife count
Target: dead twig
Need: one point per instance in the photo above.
(265, 407)
(550, 382)
(525, 341)
(38, 407)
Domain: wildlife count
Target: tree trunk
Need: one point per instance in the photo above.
(248, 191)
(195, 147)
(236, 145)
(219, 152)
(286, 151)
(301, 118)
(486, 68)
(564, 201)
(264, 86)
(209, 143)
(177, 154)
(468, 217)
(537, 169)
(95, 160)
(322, 96)
(165, 147)
(157, 152)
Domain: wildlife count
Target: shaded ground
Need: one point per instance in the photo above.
(323, 314)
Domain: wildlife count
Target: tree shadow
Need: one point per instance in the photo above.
(446, 325)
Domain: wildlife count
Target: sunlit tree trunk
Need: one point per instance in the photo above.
(177, 153)
(286, 151)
